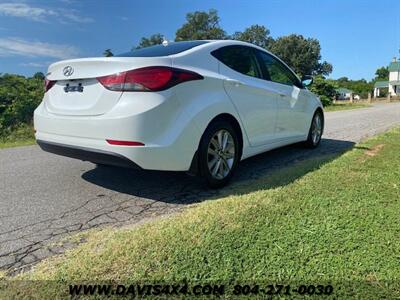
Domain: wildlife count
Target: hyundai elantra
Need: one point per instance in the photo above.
(195, 106)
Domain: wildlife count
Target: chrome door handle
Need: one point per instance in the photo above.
(233, 81)
(277, 92)
(280, 94)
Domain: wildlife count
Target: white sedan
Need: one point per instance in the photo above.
(196, 106)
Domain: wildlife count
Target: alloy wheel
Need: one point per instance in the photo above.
(316, 130)
(221, 154)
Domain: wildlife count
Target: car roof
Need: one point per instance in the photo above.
(182, 48)
(222, 43)
(164, 49)
(215, 44)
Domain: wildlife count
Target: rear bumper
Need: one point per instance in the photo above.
(88, 154)
(170, 136)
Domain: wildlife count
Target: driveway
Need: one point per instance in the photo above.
(44, 197)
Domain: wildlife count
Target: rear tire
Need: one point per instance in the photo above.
(101, 165)
(316, 130)
(219, 153)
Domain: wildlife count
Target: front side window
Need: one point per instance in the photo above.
(239, 58)
(276, 71)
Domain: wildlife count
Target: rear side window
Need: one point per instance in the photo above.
(239, 58)
(275, 71)
(161, 50)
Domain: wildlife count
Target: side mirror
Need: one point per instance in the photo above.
(307, 80)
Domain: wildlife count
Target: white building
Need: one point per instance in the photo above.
(393, 84)
(394, 77)
(343, 94)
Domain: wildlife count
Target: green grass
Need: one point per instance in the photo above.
(320, 221)
(16, 143)
(344, 106)
(21, 136)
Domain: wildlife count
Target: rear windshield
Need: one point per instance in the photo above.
(160, 50)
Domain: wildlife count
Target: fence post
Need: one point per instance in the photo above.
(388, 97)
(369, 97)
(351, 97)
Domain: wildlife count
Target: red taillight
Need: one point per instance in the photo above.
(113, 82)
(124, 143)
(147, 79)
(48, 84)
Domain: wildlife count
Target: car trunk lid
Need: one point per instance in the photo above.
(77, 90)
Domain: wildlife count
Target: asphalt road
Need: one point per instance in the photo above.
(44, 197)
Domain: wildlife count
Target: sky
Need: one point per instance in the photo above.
(356, 36)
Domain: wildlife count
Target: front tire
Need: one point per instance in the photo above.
(316, 130)
(219, 153)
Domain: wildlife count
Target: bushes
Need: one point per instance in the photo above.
(17, 136)
(326, 90)
(19, 96)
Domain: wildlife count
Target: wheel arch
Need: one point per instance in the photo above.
(235, 124)
(194, 168)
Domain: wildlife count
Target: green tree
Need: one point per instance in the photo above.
(201, 25)
(108, 53)
(256, 34)
(38, 75)
(325, 89)
(382, 73)
(303, 55)
(19, 96)
(154, 39)
(342, 81)
(360, 87)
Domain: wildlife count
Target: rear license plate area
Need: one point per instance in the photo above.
(72, 87)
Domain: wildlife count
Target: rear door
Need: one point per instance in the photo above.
(292, 98)
(256, 105)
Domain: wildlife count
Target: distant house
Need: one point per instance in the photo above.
(343, 94)
(393, 84)
(378, 86)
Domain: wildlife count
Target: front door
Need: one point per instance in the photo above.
(255, 103)
(292, 115)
